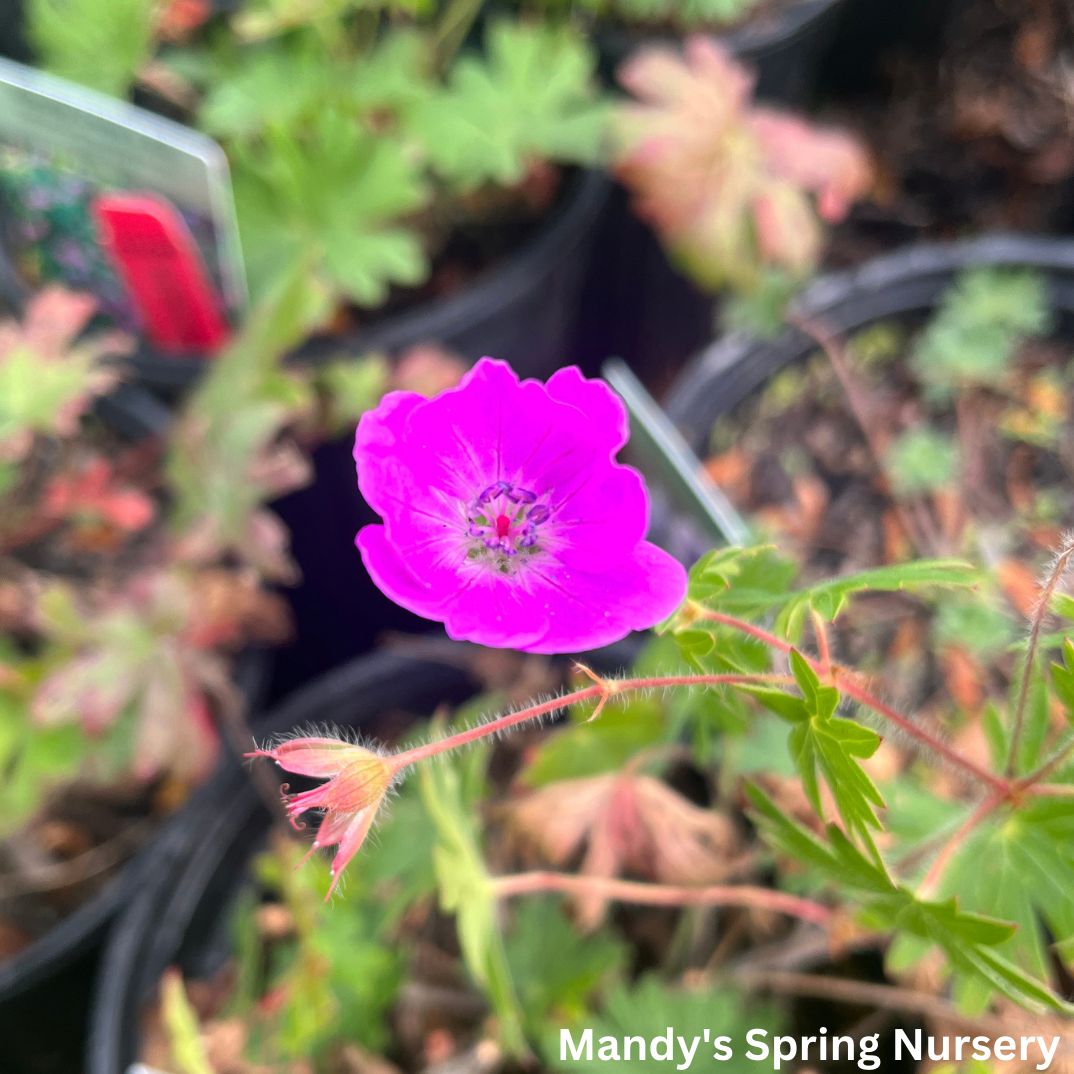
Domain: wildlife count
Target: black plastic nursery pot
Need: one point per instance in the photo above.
(180, 916)
(45, 989)
(905, 284)
(785, 46)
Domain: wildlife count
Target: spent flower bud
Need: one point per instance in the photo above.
(357, 781)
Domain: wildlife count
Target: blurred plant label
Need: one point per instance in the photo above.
(116, 145)
(659, 451)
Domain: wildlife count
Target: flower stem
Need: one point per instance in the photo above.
(662, 894)
(604, 688)
(1059, 567)
(851, 686)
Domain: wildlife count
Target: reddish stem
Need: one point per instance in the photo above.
(1059, 568)
(605, 688)
(662, 894)
(849, 685)
(916, 521)
(823, 648)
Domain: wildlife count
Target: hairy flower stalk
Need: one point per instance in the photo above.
(360, 778)
(850, 684)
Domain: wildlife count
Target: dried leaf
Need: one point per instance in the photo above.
(629, 824)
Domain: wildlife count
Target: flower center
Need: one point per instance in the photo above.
(503, 521)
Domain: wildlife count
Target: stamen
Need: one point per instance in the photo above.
(494, 490)
(521, 496)
(540, 513)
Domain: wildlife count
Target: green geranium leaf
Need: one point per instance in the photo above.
(531, 97)
(332, 195)
(647, 1010)
(102, 44)
(825, 745)
(974, 941)
(922, 460)
(556, 969)
(466, 892)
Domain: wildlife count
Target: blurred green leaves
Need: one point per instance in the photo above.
(102, 44)
(531, 97)
(981, 321)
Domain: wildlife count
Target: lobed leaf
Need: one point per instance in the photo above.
(823, 744)
(974, 939)
(649, 1008)
(828, 598)
(531, 97)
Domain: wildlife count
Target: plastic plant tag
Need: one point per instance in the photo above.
(117, 146)
(156, 257)
(659, 451)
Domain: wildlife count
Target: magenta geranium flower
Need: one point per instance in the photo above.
(506, 516)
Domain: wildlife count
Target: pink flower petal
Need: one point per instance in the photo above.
(603, 521)
(380, 436)
(588, 609)
(599, 406)
(350, 844)
(493, 611)
(390, 572)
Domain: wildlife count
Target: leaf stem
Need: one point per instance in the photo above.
(602, 688)
(824, 651)
(1059, 566)
(633, 891)
(850, 685)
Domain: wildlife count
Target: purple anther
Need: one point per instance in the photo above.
(527, 540)
(475, 530)
(492, 542)
(494, 490)
(538, 514)
(522, 496)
